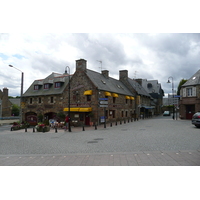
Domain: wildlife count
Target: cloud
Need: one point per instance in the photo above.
(147, 56)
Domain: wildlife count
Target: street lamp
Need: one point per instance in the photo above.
(22, 83)
(172, 92)
(69, 99)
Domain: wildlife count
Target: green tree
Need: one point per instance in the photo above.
(15, 110)
(180, 84)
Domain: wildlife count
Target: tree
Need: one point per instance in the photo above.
(15, 110)
(180, 84)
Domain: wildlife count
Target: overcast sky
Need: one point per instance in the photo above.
(123, 35)
(146, 56)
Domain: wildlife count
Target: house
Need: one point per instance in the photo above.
(143, 99)
(190, 97)
(93, 97)
(98, 95)
(45, 98)
(156, 92)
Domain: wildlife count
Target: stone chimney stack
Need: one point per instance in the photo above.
(139, 80)
(81, 65)
(123, 74)
(105, 73)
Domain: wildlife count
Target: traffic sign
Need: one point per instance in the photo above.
(103, 99)
(103, 106)
(103, 102)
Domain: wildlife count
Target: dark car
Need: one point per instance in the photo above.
(196, 119)
(166, 113)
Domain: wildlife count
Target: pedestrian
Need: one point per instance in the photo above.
(66, 122)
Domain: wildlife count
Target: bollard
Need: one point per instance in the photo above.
(116, 123)
(128, 120)
(56, 130)
(104, 125)
(120, 122)
(43, 130)
(11, 129)
(124, 121)
(33, 129)
(95, 127)
(25, 129)
(110, 124)
(83, 128)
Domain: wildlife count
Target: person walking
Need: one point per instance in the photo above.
(66, 122)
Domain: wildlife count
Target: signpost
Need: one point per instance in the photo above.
(103, 103)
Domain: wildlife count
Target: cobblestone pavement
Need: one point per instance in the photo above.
(158, 141)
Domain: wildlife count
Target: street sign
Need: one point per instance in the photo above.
(103, 102)
(103, 99)
(103, 106)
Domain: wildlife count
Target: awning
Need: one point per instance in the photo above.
(115, 95)
(127, 97)
(78, 109)
(132, 98)
(107, 94)
(88, 92)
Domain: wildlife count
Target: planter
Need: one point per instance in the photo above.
(43, 129)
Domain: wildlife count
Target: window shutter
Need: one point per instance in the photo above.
(184, 92)
(194, 91)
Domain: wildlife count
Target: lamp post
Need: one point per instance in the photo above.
(69, 128)
(22, 83)
(172, 92)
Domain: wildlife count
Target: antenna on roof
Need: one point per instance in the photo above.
(100, 63)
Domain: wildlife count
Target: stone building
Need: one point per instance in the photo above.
(5, 104)
(156, 92)
(94, 97)
(143, 106)
(190, 97)
(45, 98)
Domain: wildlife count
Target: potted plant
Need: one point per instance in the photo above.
(42, 127)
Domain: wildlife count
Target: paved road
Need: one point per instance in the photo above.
(156, 141)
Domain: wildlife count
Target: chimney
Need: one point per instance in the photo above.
(123, 74)
(5, 92)
(105, 73)
(81, 65)
(139, 80)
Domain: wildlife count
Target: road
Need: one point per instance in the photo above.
(155, 135)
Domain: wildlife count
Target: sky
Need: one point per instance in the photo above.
(145, 40)
(145, 55)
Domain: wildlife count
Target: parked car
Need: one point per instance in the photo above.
(196, 119)
(166, 113)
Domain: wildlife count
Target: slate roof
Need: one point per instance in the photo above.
(139, 89)
(52, 79)
(108, 84)
(194, 80)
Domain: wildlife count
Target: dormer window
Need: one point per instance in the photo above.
(57, 84)
(36, 87)
(46, 86)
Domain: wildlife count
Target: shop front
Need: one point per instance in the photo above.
(79, 116)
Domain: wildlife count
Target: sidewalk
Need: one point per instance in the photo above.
(157, 158)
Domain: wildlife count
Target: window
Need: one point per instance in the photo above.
(88, 97)
(46, 86)
(51, 100)
(36, 87)
(122, 113)
(114, 99)
(31, 101)
(57, 84)
(189, 92)
(39, 100)
(126, 101)
(126, 113)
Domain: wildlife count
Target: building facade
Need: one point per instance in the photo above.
(91, 97)
(190, 97)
